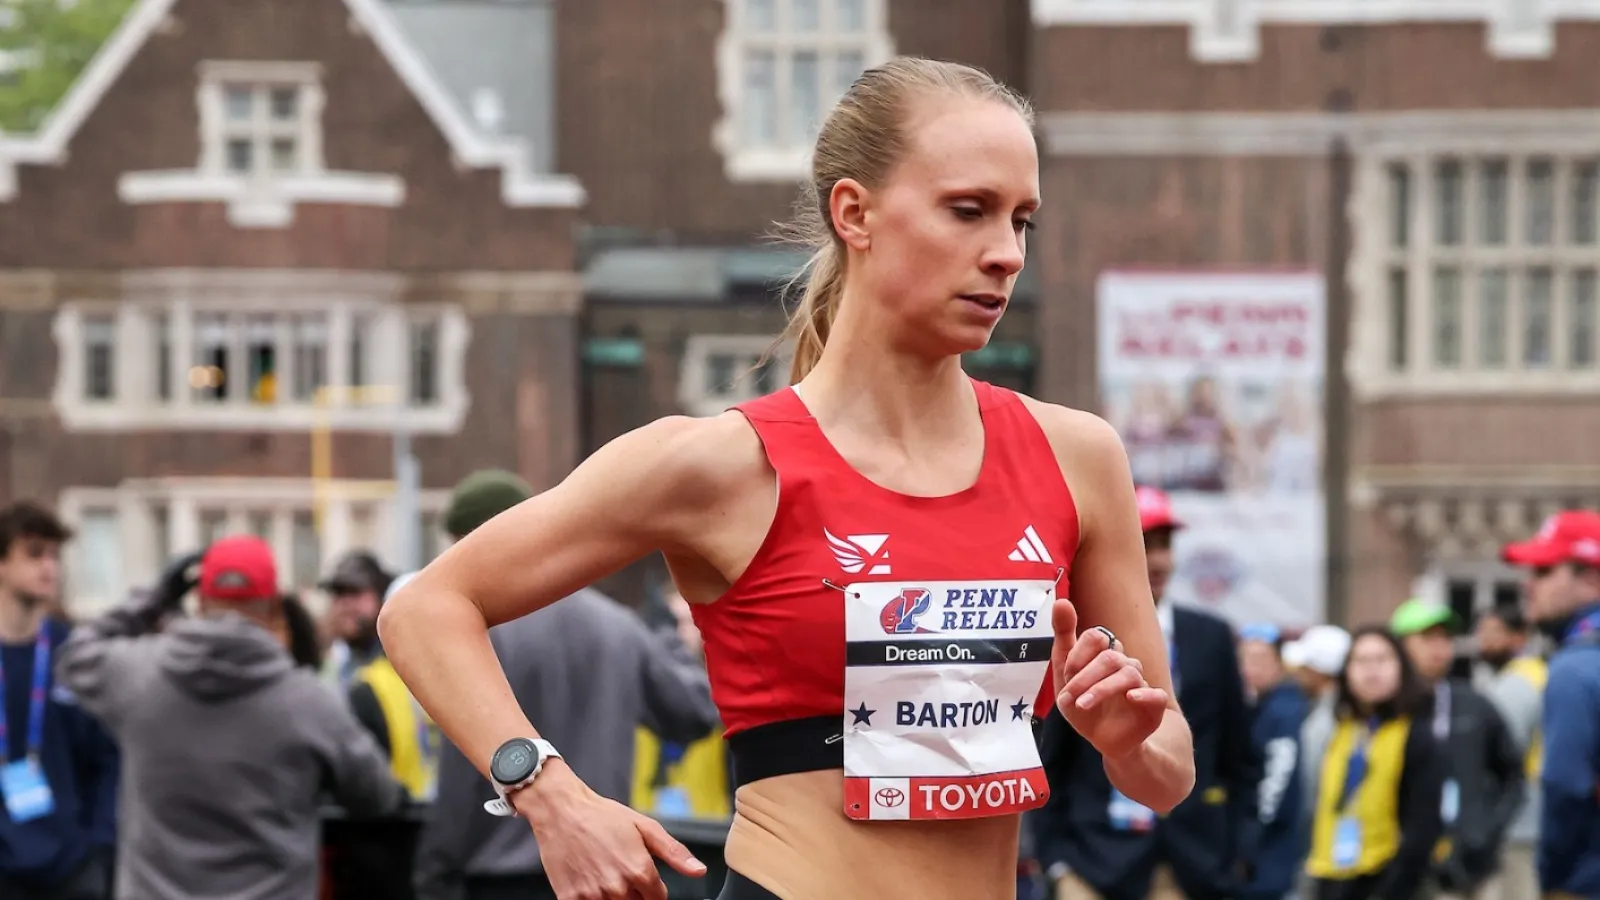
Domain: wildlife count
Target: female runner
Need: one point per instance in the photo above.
(888, 520)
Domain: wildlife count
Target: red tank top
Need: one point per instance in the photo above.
(775, 642)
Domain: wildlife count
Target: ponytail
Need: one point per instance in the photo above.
(812, 320)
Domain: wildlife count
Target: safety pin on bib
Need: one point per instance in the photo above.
(855, 594)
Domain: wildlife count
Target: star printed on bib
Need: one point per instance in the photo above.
(1019, 710)
(862, 714)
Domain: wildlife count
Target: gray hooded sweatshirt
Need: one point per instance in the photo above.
(227, 748)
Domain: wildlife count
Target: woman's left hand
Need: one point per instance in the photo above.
(1101, 691)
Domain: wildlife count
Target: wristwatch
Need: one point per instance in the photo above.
(514, 766)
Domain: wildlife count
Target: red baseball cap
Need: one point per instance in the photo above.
(239, 568)
(1570, 536)
(1155, 509)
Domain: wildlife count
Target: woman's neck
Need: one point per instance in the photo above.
(874, 388)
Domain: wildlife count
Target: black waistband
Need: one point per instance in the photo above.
(792, 746)
(784, 748)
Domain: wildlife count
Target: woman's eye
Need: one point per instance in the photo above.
(968, 212)
(1026, 225)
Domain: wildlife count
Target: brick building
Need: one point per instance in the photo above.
(1440, 162)
(255, 239)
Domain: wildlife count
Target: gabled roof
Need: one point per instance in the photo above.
(521, 183)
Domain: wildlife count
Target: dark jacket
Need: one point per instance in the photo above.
(1211, 834)
(1487, 766)
(1285, 822)
(80, 763)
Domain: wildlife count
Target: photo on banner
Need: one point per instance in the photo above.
(1214, 379)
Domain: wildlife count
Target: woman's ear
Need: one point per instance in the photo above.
(847, 204)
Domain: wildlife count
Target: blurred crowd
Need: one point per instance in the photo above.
(1420, 757)
(196, 740)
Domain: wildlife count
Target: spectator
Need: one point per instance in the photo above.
(588, 671)
(1316, 661)
(228, 745)
(1563, 596)
(1514, 682)
(1376, 817)
(59, 779)
(355, 589)
(1281, 709)
(1484, 783)
(672, 778)
(1095, 842)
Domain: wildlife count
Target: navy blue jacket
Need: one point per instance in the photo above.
(1285, 825)
(1206, 837)
(81, 764)
(1569, 824)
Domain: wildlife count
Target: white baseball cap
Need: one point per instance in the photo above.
(1322, 649)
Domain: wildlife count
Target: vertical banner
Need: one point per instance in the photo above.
(1214, 379)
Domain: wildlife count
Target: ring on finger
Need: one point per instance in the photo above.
(1111, 639)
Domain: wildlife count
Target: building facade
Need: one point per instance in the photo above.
(257, 241)
(1437, 162)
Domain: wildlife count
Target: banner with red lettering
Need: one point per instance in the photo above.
(1214, 379)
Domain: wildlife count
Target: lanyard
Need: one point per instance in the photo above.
(1355, 770)
(1172, 662)
(36, 699)
(1441, 712)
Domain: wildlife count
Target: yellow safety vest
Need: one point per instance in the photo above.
(1537, 672)
(413, 738)
(702, 775)
(1375, 805)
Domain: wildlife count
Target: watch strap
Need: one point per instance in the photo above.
(501, 805)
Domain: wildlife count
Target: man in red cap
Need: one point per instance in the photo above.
(1563, 597)
(219, 726)
(1095, 842)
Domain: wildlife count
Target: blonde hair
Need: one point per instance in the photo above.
(863, 138)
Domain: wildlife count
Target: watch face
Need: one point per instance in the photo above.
(514, 761)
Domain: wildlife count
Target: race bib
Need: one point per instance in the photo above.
(1346, 842)
(940, 682)
(26, 790)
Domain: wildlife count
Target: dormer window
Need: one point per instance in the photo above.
(261, 120)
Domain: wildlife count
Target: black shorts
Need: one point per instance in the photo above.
(738, 887)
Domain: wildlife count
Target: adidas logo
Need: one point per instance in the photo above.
(860, 553)
(1030, 548)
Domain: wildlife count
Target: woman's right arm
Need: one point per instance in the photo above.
(657, 488)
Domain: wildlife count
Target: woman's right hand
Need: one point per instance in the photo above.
(598, 849)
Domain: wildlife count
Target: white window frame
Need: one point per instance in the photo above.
(345, 503)
(381, 403)
(743, 162)
(699, 399)
(261, 198)
(1555, 136)
(1222, 31)
(1483, 574)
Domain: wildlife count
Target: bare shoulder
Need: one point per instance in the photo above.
(1083, 441)
(700, 457)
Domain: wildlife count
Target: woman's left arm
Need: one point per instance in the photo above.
(1119, 697)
